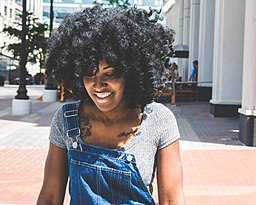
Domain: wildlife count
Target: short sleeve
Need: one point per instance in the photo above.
(57, 133)
(168, 130)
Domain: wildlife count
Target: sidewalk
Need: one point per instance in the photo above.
(218, 169)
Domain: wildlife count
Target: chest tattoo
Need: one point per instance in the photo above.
(85, 127)
(126, 134)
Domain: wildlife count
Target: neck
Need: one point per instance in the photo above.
(121, 112)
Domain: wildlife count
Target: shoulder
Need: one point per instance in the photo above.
(58, 117)
(163, 125)
(65, 110)
(70, 106)
(58, 132)
(159, 116)
(158, 110)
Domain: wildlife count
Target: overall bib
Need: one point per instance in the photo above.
(99, 175)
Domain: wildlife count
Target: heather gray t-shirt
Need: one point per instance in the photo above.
(158, 130)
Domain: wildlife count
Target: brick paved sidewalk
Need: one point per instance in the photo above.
(218, 169)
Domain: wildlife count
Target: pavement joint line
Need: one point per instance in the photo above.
(6, 111)
(219, 191)
(189, 145)
(51, 108)
(33, 117)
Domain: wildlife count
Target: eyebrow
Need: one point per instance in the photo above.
(109, 66)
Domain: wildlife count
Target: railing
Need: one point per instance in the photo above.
(179, 89)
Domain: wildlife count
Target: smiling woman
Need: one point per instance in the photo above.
(110, 142)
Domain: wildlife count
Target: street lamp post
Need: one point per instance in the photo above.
(50, 91)
(51, 16)
(21, 105)
(22, 91)
(50, 85)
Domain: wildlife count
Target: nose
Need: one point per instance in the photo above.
(99, 82)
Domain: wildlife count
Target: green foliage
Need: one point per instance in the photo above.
(36, 40)
(120, 3)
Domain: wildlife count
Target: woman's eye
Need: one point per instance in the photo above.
(110, 74)
(113, 74)
(104, 76)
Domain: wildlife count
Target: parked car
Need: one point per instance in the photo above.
(1, 80)
(39, 79)
(28, 80)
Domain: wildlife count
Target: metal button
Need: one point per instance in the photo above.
(129, 158)
(148, 110)
(75, 145)
(138, 133)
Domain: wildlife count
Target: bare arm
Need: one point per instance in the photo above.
(170, 175)
(55, 177)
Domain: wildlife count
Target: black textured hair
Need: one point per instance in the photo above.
(127, 38)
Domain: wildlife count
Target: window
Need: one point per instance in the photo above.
(5, 10)
(10, 13)
(34, 6)
(138, 2)
(99, 1)
(46, 14)
(17, 15)
(158, 2)
(18, 1)
(29, 5)
(78, 1)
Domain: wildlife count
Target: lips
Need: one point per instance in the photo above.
(103, 95)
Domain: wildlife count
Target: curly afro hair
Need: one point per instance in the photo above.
(128, 40)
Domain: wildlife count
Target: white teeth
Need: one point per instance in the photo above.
(102, 95)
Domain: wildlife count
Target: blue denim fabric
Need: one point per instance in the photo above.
(99, 175)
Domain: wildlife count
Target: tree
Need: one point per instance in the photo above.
(37, 41)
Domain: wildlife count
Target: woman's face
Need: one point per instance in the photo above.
(106, 87)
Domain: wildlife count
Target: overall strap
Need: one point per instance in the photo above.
(70, 113)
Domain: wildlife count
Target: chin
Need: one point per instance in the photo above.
(109, 107)
(105, 108)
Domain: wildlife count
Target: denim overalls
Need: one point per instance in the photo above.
(99, 175)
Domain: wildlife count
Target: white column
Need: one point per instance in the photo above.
(186, 22)
(181, 20)
(50, 95)
(21, 107)
(181, 30)
(206, 42)
(171, 13)
(228, 52)
(194, 32)
(186, 25)
(248, 111)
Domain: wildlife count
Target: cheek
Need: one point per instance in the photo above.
(87, 85)
(121, 86)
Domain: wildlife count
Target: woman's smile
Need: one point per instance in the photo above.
(103, 97)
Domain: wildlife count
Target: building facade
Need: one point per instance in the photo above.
(10, 11)
(221, 35)
(63, 7)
